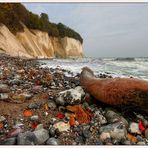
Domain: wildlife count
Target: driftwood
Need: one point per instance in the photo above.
(116, 91)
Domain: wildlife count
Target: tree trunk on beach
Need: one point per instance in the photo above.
(128, 92)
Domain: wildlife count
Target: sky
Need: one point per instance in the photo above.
(107, 29)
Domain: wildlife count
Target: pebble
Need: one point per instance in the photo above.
(2, 118)
(52, 105)
(141, 143)
(127, 142)
(35, 105)
(27, 138)
(61, 126)
(53, 120)
(134, 128)
(34, 118)
(99, 117)
(86, 132)
(146, 133)
(116, 130)
(52, 141)
(52, 131)
(4, 88)
(104, 136)
(14, 132)
(113, 117)
(4, 96)
(71, 96)
(42, 135)
(8, 141)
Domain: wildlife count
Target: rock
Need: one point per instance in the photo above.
(141, 143)
(61, 126)
(35, 105)
(52, 141)
(127, 142)
(134, 128)
(4, 96)
(146, 133)
(104, 136)
(27, 138)
(52, 105)
(116, 130)
(52, 131)
(118, 133)
(71, 96)
(4, 88)
(34, 118)
(40, 126)
(118, 91)
(41, 134)
(86, 132)
(14, 132)
(113, 117)
(2, 118)
(102, 120)
(53, 120)
(8, 141)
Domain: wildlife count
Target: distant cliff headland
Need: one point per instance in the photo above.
(25, 34)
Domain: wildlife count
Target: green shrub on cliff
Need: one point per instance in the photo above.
(12, 14)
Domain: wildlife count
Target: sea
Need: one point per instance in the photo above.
(115, 67)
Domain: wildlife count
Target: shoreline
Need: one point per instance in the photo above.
(32, 105)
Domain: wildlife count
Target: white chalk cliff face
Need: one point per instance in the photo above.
(35, 43)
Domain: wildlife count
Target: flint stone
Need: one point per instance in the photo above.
(52, 105)
(134, 128)
(27, 138)
(116, 130)
(2, 118)
(100, 117)
(113, 117)
(4, 96)
(52, 141)
(34, 118)
(4, 88)
(41, 134)
(104, 136)
(141, 143)
(61, 126)
(9, 141)
(71, 96)
(35, 105)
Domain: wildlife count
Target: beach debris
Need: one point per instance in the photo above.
(116, 91)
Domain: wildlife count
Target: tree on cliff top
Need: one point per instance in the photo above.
(11, 14)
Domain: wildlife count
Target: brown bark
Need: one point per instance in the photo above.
(116, 91)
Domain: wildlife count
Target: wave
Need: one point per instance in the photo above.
(125, 59)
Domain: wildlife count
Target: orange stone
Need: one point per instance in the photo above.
(132, 138)
(27, 113)
(81, 115)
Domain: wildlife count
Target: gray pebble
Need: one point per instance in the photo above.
(9, 141)
(27, 138)
(52, 141)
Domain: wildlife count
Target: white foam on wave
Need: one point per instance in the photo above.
(137, 68)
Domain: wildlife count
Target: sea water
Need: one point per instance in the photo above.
(116, 67)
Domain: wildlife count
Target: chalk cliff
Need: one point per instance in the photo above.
(38, 44)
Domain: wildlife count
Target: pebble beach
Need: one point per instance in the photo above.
(43, 106)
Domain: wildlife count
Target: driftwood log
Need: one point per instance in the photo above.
(129, 92)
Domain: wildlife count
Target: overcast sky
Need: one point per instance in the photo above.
(108, 29)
